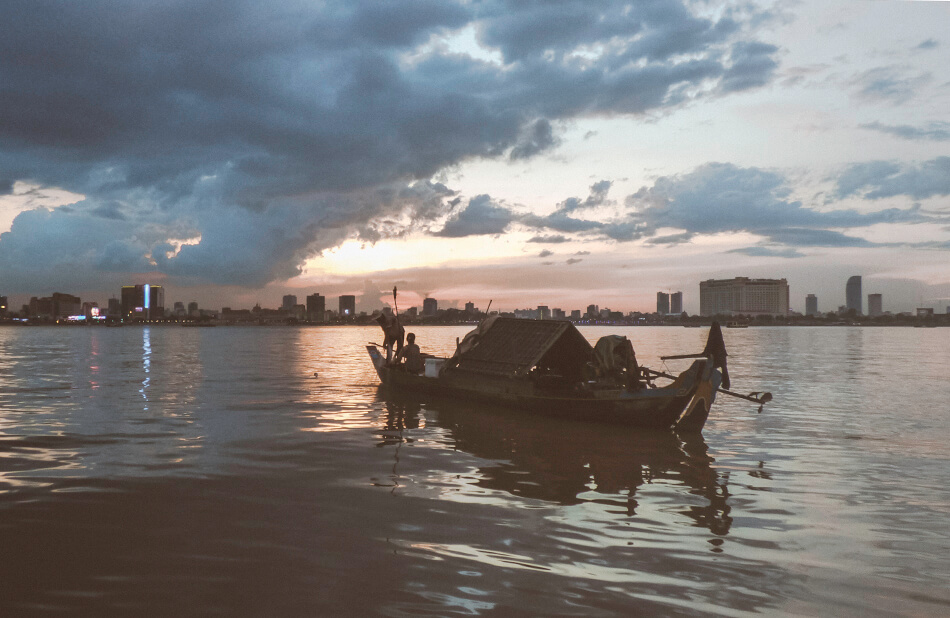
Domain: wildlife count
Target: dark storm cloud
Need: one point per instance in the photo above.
(481, 216)
(539, 137)
(752, 65)
(273, 131)
(881, 179)
(935, 131)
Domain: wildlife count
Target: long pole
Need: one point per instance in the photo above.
(761, 399)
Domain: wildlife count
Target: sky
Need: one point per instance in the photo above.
(559, 153)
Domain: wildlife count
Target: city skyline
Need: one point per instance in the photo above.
(524, 154)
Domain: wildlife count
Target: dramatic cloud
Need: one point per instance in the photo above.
(723, 198)
(880, 179)
(934, 131)
(480, 216)
(553, 239)
(266, 133)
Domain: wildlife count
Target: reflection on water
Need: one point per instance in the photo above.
(568, 463)
(263, 471)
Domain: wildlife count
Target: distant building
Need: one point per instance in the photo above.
(115, 307)
(290, 301)
(925, 312)
(179, 308)
(316, 308)
(676, 303)
(347, 306)
(852, 294)
(811, 305)
(875, 305)
(430, 306)
(576, 314)
(543, 312)
(143, 301)
(662, 303)
(558, 314)
(193, 309)
(411, 312)
(743, 295)
(3, 306)
(593, 311)
(470, 307)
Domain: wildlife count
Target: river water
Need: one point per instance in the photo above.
(261, 471)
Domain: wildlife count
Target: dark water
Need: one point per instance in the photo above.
(174, 472)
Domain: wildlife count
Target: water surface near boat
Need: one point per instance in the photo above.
(168, 471)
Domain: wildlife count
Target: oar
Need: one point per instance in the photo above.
(395, 306)
(762, 398)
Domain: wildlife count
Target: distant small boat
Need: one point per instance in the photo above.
(547, 367)
(737, 325)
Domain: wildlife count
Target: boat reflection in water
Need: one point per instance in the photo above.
(568, 462)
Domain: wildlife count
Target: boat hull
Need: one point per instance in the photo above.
(684, 404)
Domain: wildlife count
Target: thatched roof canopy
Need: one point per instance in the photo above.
(512, 347)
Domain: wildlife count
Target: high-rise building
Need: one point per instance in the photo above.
(115, 306)
(852, 293)
(179, 308)
(662, 303)
(430, 306)
(143, 301)
(290, 301)
(193, 308)
(469, 307)
(558, 314)
(316, 308)
(743, 295)
(875, 304)
(576, 314)
(3, 306)
(347, 306)
(811, 305)
(676, 303)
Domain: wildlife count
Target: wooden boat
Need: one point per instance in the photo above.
(547, 367)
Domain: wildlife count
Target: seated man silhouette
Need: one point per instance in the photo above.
(414, 361)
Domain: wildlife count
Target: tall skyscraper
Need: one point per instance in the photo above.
(430, 306)
(143, 301)
(676, 303)
(347, 306)
(662, 303)
(544, 312)
(852, 293)
(593, 311)
(875, 304)
(811, 305)
(316, 308)
(290, 301)
(743, 295)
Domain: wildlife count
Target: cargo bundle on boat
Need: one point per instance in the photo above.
(548, 367)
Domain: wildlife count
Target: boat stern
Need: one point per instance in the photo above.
(697, 410)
